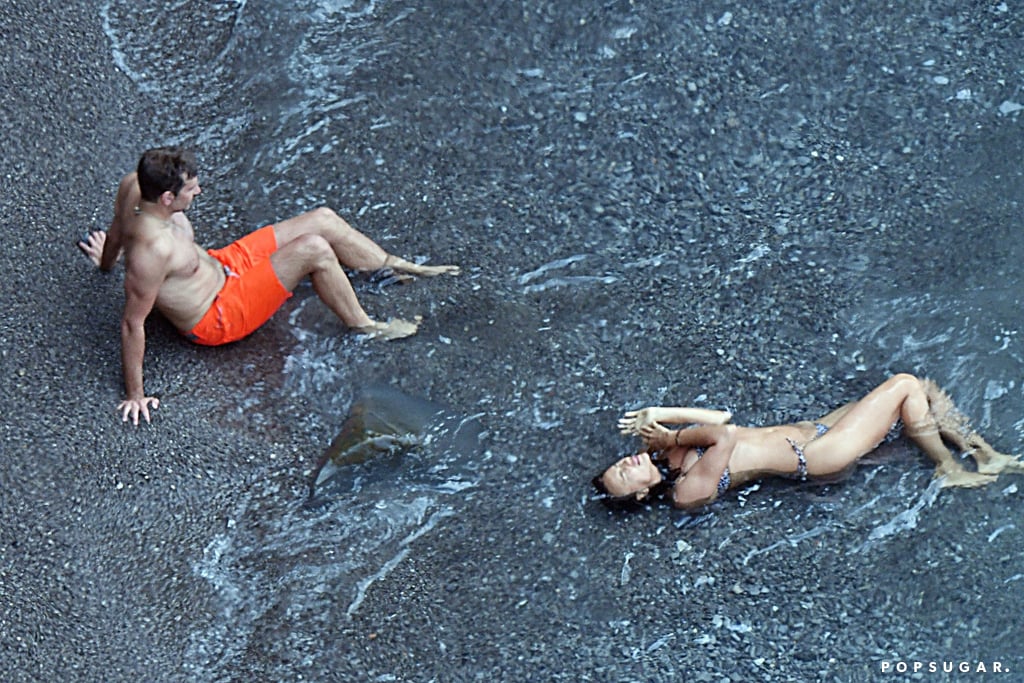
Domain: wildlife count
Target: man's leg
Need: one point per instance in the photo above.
(352, 248)
(312, 255)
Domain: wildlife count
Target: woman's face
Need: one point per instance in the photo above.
(633, 474)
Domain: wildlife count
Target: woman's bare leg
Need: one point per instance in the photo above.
(832, 418)
(863, 425)
(955, 427)
(923, 429)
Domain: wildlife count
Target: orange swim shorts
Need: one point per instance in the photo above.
(251, 293)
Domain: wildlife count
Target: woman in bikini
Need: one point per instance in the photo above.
(699, 463)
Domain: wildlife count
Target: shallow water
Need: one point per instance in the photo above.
(602, 205)
(971, 338)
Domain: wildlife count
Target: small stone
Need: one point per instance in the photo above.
(1009, 107)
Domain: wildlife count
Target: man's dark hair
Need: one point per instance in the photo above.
(165, 169)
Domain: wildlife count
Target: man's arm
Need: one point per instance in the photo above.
(104, 248)
(110, 244)
(141, 285)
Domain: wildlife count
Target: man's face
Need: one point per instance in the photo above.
(186, 194)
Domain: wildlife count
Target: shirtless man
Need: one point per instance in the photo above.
(219, 296)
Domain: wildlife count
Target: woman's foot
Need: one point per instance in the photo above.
(963, 479)
(994, 462)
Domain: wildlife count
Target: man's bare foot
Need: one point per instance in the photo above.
(964, 479)
(394, 328)
(399, 264)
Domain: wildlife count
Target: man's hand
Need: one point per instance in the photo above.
(133, 407)
(92, 245)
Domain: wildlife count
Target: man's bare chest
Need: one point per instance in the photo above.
(186, 259)
(172, 247)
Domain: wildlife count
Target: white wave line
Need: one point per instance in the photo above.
(560, 263)
(120, 59)
(365, 584)
(792, 541)
(234, 31)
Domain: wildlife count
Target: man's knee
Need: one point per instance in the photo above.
(328, 216)
(312, 249)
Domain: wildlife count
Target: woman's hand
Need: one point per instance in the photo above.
(635, 420)
(657, 437)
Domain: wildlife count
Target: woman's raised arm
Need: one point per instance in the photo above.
(635, 420)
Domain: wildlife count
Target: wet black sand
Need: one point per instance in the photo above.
(825, 133)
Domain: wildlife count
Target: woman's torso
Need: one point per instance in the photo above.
(769, 451)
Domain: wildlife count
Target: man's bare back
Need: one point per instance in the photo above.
(165, 269)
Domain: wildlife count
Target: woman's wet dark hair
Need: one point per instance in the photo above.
(630, 501)
(626, 502)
